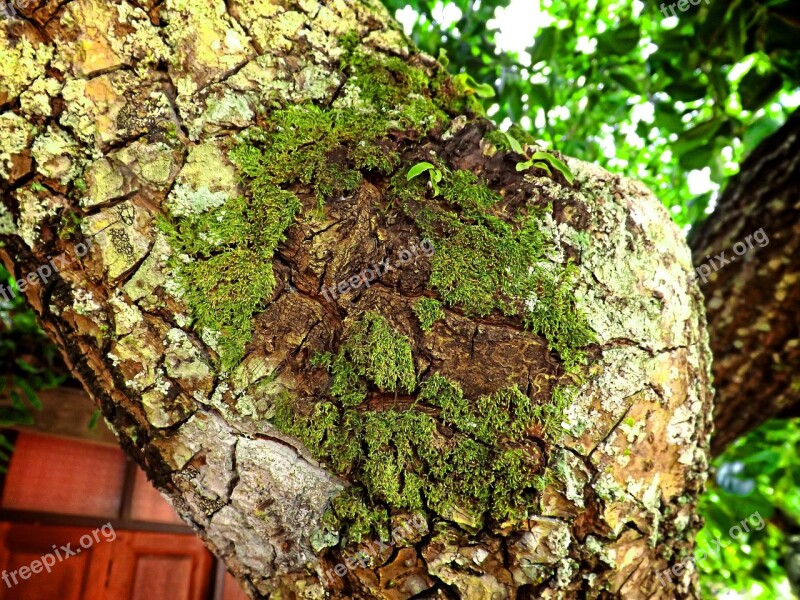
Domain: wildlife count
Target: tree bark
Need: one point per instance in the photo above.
(751, 299)
(577, 478)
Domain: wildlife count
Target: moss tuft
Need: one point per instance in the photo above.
(231, 277)
(372, 351)
(379, 353)
(428, 311)
(467, 270)
(400, 459)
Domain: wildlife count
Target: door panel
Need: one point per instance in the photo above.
(134, 566)
(155, 574)
(145, 565)
(68, 578)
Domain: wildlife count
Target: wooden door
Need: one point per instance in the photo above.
(134, 565)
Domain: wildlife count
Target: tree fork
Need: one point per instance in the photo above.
(534, 395)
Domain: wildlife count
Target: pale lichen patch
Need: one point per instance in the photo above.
(33, 210)
(137, 360)
(207, 44)
(151, 275)
(57, 155)
(22, 60)
(89, 22)
(7, 225)
(126, 316)
(15, 137)
(35, 100)
(206, 181)
(105, 182)
(121, 235)
(154, 164)
(184, 362)
(112, 108)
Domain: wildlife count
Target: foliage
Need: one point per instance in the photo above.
(767, 481)
(30, 364)
(428, 311)
(615, 83)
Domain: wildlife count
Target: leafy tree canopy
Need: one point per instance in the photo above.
(676, 102)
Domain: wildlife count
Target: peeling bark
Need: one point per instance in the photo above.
(752, 301)
(117, 114)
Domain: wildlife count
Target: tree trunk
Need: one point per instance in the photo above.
(753, 288)
(323, 304)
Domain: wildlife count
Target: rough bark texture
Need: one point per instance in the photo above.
(752, 299)
(118, 123)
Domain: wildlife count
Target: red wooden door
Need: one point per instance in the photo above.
(133, 565)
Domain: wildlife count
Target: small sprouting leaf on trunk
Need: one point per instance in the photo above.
(470, 86)
(545, 160)
(512, 141)
(418, 169)
(538, 158)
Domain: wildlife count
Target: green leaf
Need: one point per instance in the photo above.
(418, 169)
(758, 132)
(617, 42)
(484, 90)
(16, 401)
(469, 85)
(697, 158)
(512, 141)
(704, 131)
(545, 45)
(443, 57)
(30, 393)
(626, 81)
(27, 367)
(93, 420)
(540, 96)
(556, 163)
(756, 89)
(686, 91)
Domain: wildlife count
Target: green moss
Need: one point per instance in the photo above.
(380, 354)
(464, 189)
(70, 226)
(371, 352)
(400, 461)
(428, 311)
(229, 279)
(551, 415)
(500, 139)
(467, 273)
(508, 412)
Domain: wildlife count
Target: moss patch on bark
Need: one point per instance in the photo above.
(400, 460)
